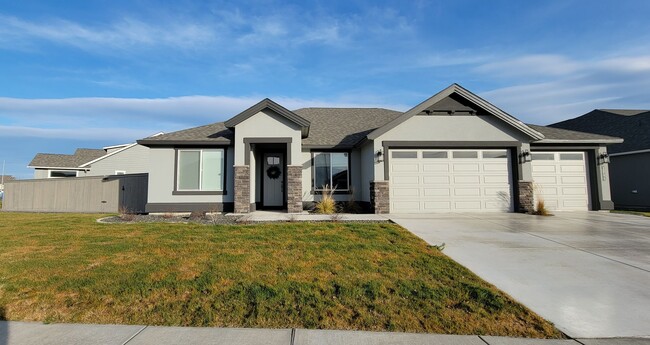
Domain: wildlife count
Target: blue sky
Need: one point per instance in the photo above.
(97, 73)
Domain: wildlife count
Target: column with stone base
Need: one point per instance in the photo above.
(242, 189)
(294, 189)
(526, 197)
(379, 197)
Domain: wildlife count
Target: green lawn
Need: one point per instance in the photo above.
(68, 268)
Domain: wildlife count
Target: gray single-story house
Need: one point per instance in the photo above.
(454, 152)
(111, 160)
(630, 160)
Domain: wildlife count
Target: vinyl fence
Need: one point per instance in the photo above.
(95, 194)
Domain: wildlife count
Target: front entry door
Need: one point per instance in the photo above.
(273, 175)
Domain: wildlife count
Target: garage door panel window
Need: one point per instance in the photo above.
(543, 156)
(434, 154)
(465, 154)
(495, 154)
(571, 156)
(200, 170)
(404, 154)
(331, 170)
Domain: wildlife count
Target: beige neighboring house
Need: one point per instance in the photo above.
(111, 160)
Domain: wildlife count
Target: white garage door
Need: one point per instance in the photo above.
(560, 178)
(440, 180)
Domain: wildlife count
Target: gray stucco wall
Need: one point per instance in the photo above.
(132, 160)
(631, 173)
(161, 179)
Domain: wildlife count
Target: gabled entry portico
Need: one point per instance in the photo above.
(267, 170)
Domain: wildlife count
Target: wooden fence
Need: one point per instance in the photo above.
(95, 194)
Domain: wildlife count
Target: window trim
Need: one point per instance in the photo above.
(314, 190)
(223, 190)
(49, 173)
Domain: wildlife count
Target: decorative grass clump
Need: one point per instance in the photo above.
(326, 204)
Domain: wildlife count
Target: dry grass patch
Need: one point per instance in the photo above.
(68, 268)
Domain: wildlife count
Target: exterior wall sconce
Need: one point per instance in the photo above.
(380, 155)
(525, 157)
(603, 158)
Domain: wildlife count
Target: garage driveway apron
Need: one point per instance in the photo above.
(587, 272)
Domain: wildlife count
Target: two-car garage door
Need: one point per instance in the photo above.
(449, 180)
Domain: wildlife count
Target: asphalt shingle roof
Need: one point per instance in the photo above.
(343, 127)
(335, 128)
(80, 156)
(631, 125)
(215, 132)
(551, 133)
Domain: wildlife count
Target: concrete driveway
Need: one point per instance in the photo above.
(587, 272)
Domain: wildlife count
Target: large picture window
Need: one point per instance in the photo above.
(331, 169)
(200, 170)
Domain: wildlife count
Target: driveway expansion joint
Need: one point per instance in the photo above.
(134, 335)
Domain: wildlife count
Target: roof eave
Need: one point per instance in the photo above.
(62, 168)
(578, 141)
(150, 143)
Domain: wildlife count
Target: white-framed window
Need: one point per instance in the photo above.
(200, 170)
(331, 169)
(62, 173)
(120, 172)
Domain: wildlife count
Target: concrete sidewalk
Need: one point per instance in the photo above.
(18, 333)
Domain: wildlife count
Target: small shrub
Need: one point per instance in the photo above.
(326, 205)
(126, 214)
(540, 208)
(197, 215)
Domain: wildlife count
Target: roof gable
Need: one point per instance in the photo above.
(269, 104)
(457, 98)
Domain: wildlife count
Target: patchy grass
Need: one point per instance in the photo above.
(636, 213)
(68, 268)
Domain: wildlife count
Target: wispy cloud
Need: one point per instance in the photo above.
(126, 33)
(550, 88)
(133, 118)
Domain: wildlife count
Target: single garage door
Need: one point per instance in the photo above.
(448, 180)
(560, 178)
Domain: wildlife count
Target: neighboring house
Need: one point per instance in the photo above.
(48, 165)
(630, 160)
(111, 160)
(454, 152)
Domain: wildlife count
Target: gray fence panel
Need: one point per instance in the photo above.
(95, 194)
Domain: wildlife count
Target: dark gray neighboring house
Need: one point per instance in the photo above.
(630, 160)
